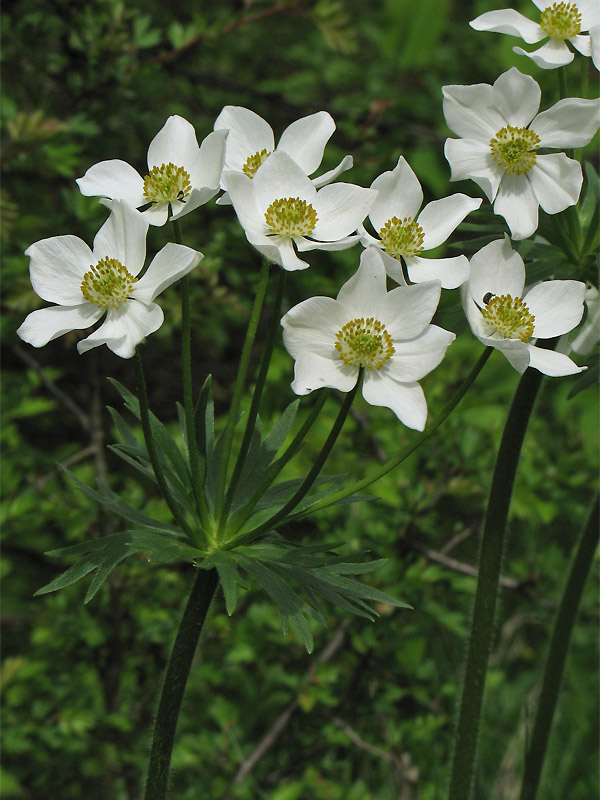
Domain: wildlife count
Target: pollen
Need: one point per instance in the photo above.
(508, 318)
(402, 237)
(107, 284)
(253, 162)
(167, 183)
(291, 216)
(513, 149)
(561, 21)
(364, 343)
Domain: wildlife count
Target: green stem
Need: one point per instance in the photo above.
(239, 386)
(393, 462)
(258, 390)
(154, 460)
(175, 681)
(557, 653)
(490, 561)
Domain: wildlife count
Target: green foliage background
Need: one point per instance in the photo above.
(370, 713)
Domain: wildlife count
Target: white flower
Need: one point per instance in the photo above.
(386, 333)
(403, 235)
(595, 38)
(87, 284)
(501, 134)
(181, 175)
(280, 207)
(561, 21)
(589, 335)
(251, 141)
(501, 317)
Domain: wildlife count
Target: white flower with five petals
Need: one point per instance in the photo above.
(279, 208)
(501, 316)
(404, 233)
(501, 132)
(561, 21)
(86, 284)
(388, 334)
(181, 175)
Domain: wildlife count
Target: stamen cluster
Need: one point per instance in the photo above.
(402, 237)
(512, 149)
(253, 162)
(510, 317)
(167, 183)
(107, 284)
(364, 343)
(561, 21)
(291, 216)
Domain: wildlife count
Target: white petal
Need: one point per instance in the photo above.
(583, 43)
(312, 325)
(569, 123)
(470, 111)
(168, 265)
(41, 326)
(304, 245)
(557, 307)
(414, 359)
(125, 328)
(588, 335)
(365, 293)
(242, 193)
(206, 170)
(407, 310)
(341, 207)
(347, 162)
(394, 267)
(305, 140)
(175, 143)
(550, 55)
(590, 14)
(278, 249)
(556, 181)
(451, 272)
(400, 195)
(248, 135)
(315, 372)
(507, 20)
(57, 267)
(551, 363)
(123, 236)
(115, 179)
(515, 351)
(280, 177)
(595, 37)
(439, 218)
(517, 96)
(406, 400)
(471, 159)
(498, 269)
(517, 203)
(197, 197)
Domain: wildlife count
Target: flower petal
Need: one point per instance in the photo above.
(278, 249)
(394, 267)
(123, 236)
(470, 111)
(571, 122)
(414, 359)
(498, 269)
(407, 310)
(551, 363)
(305, 139)
(471, 159)
(41, 326)
(197, 197)
(439, 218)
(315, 372)
(507, 20)
(341, 207)
(556, 181)
(550, 55)
(517, 96)
(115, 179)
(517, 203)
(248, 135)
(242, 193)
(365, 293)
(304, 245)
(205, 170)
(175, 143)
(311, 326)
(347, 162)
(451, 272)
(406, 400)
(125, 328)
(168, 265)
(557, 307)
(57, 267)
(583, 43)
(595, 37)
(280, 177)
(590, 14)
(400, 195)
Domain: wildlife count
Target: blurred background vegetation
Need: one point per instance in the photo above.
(370, 713)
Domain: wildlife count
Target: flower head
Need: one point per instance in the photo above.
(560, 22)
(279, 208)
(501, 134)
(404, 233)
(86, 284)
(181, 176)
(388, 334)
(501, 316)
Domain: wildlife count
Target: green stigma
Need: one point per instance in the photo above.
(291, 216)
(107, 284)
(253, 162)
(561, 21)
(364, 343)
(402, 237)
(508, 317)
(513, 149)
(167, 183)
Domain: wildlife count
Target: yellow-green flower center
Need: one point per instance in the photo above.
(107, 284)
(253, 162)
(364, 343)
(508, 317)
(561, 21)
(513, 149)
(291, 216)
(402, 237)
(167, 183)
